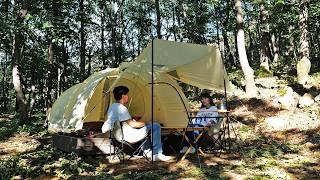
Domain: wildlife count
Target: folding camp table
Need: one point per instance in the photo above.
(204, 130)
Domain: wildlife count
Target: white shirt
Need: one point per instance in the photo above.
(118, 113)
(206, 116)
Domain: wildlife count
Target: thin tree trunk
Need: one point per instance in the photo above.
(158, 19)
(275, 47)
(112, 17)
(49, 77)
(5, 12)
(218, 35)
(4, 84)
(318, 39)
(82, 42)
(303, 65)
(290, 48)
(174, 22)
(250, 46)
(102, 17)
(122, 30)
(17, 50)
(247, 70)
(224, 22)
(264, 29)
(89, 63)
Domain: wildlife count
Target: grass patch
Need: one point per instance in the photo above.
(245, 131)
(260, 177)
(7, 128)
(262, 73)
(146, 175)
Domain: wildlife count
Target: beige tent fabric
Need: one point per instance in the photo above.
(193, 64)
(69, 110)
(196, 65)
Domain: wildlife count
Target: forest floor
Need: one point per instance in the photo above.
(258, 151)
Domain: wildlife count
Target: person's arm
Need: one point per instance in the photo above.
(135, 124)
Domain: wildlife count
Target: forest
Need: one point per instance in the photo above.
(270, 49)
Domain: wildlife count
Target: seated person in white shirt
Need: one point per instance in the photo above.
(205, 117)
(133, 131)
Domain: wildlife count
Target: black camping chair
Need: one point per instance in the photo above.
(213, 139)
(123, 147)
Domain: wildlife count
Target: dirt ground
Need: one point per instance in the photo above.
(257, 152)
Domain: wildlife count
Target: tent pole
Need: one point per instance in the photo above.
(152, 101)
(228, 122)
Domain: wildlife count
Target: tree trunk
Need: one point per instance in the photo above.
(275, 47)
(22, 105)
(264, 29)
(89, 63)
(82, 43)
(174, 22)
(218, 34)
(247, 70)
(102, 17)
(224, 19)
(250, 46)
(5, 12)
(303, 65)
(122, 30)
(113, 19)
(4, 84)
(158, 19)
(49, 77)
(318, 39)
(290, 48)
(65, 56)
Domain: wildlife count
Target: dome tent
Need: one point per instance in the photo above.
(197, 65)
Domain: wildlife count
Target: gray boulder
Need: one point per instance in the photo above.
(317, 98)
(306, 100)
(287, 100)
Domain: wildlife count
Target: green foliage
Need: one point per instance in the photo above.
(8, 127)
(15, 167)
(262, 72)
(236, 77)
(282, 91)
(259, 177)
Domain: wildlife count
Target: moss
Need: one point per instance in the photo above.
(259, 177)
(262, 72)
(282, 91)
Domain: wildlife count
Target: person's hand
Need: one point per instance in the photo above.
(136, 118)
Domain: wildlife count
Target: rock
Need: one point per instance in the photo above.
(288, 121)
(237, 92)
(267, 82)
(267, 93)
(317, 98)
(288, 100)
(17, 177)
(309, 145)
(303, 69)
(306, 100)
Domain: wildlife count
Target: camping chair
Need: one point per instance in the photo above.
(123, 147)
(213, 139)
(207, 138)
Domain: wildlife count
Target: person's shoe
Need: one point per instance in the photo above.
(162, 157)
(185, 148)
(193, 150)
(147, 153)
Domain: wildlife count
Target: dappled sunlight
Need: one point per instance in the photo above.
(20, 143)
(250, 111)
